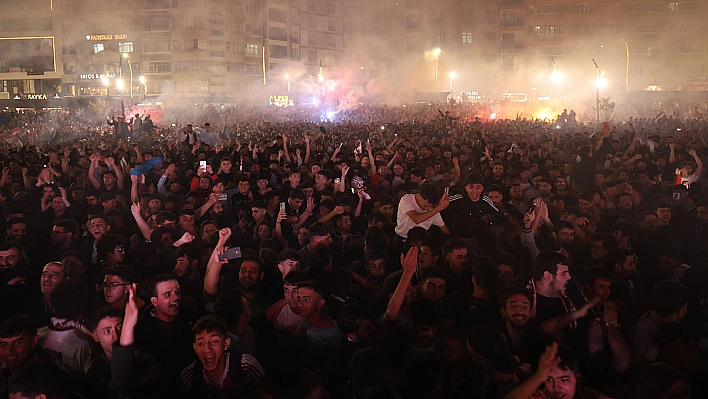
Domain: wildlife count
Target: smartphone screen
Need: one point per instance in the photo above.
(282, 206)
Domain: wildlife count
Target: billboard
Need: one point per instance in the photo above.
(34, 55)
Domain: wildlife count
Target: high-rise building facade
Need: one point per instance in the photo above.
(218, 51)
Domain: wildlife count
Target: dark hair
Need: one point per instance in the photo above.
(294, 278)
(107, 244)
(453, 244)
(229, 306)
(474, 178)
(164, 216)
(429, 192)
(315, 285)
(547, 261)
(568, 359)
(617, 256)
(516, 289)
(595, 273)
(608, 240)
(260, 204)
(69, 299)
(160, 278)
(424, 311)
(39, 378)
(495, 187)
(124, 272)
(562, 224)
(210, 323)
(319, 229)
(68, 225)
(289, 254)
(296, 193)
(669, 297)
(318, 258)
(16, 325)
(191, 251)
(485, 271)
(101, 313)
(350, 317)
(433, 272)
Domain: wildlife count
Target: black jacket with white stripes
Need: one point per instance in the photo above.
(464, 217)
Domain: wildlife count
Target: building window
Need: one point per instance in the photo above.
(466, 16)
(439, 37)
(98, 47)
(311, 55)
(311, 39)
(331, 25)
(254, 30)
(311, 22)
(581, 8)
(294, 36)
(159, 67)
(508, 16)
(490, 16)
(331, 9)
(251, 49)
(177, 23)
(234, 67)
(612, 7)
(252, 68)
(228, 47)
(126, 47)
(253, 9)
(507, 62)
(332, 41)
(295, 53)
(467, 38)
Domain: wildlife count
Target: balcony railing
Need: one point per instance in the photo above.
(512, 22)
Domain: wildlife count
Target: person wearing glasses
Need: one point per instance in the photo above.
(116, 285)
(111, 250)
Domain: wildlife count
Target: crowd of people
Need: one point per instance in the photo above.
(419, 251)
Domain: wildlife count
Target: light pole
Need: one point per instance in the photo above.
(436, 53)
(320, 79)
(287, 77)
(144, 91)
(130, 66)
(452, 85)
(626, 71)
(106, 83)
(600, 82)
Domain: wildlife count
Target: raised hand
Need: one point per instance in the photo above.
(410, 262)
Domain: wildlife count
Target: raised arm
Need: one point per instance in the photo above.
(110, 161)
(410, 263)
(142, 224)
(699, 162)
(307, 148)
(672, 154)
(92, 172)
(285, 148)
(205, 208)
(372, 164)
(213, 270)
(278, 232)
(419, 218)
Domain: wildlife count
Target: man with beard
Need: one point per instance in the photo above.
(525, 339)
(14, 287)
(187, 270)
(165, 331)
(16, 229)
(250, 276)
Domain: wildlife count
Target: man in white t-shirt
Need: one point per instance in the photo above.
(421, 210)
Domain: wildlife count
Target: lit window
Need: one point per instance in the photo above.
(98, 47)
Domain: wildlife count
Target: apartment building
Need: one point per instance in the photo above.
(213, 51)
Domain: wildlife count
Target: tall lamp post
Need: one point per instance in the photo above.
(452, 85)
(600, 82)
(130, 66)
(287, 77)
(436, 53)
(144, 88)
(106, 83)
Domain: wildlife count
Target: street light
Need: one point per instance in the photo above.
(106, 83)
(287, 77)
(452, 86)
(436, 53)
(120, 84)
(556, 75)
(598, 83)
(130, 66)
(144, 91)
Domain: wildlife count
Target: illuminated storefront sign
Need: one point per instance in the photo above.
(280, 101)
(96, 76)
(106, 37)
